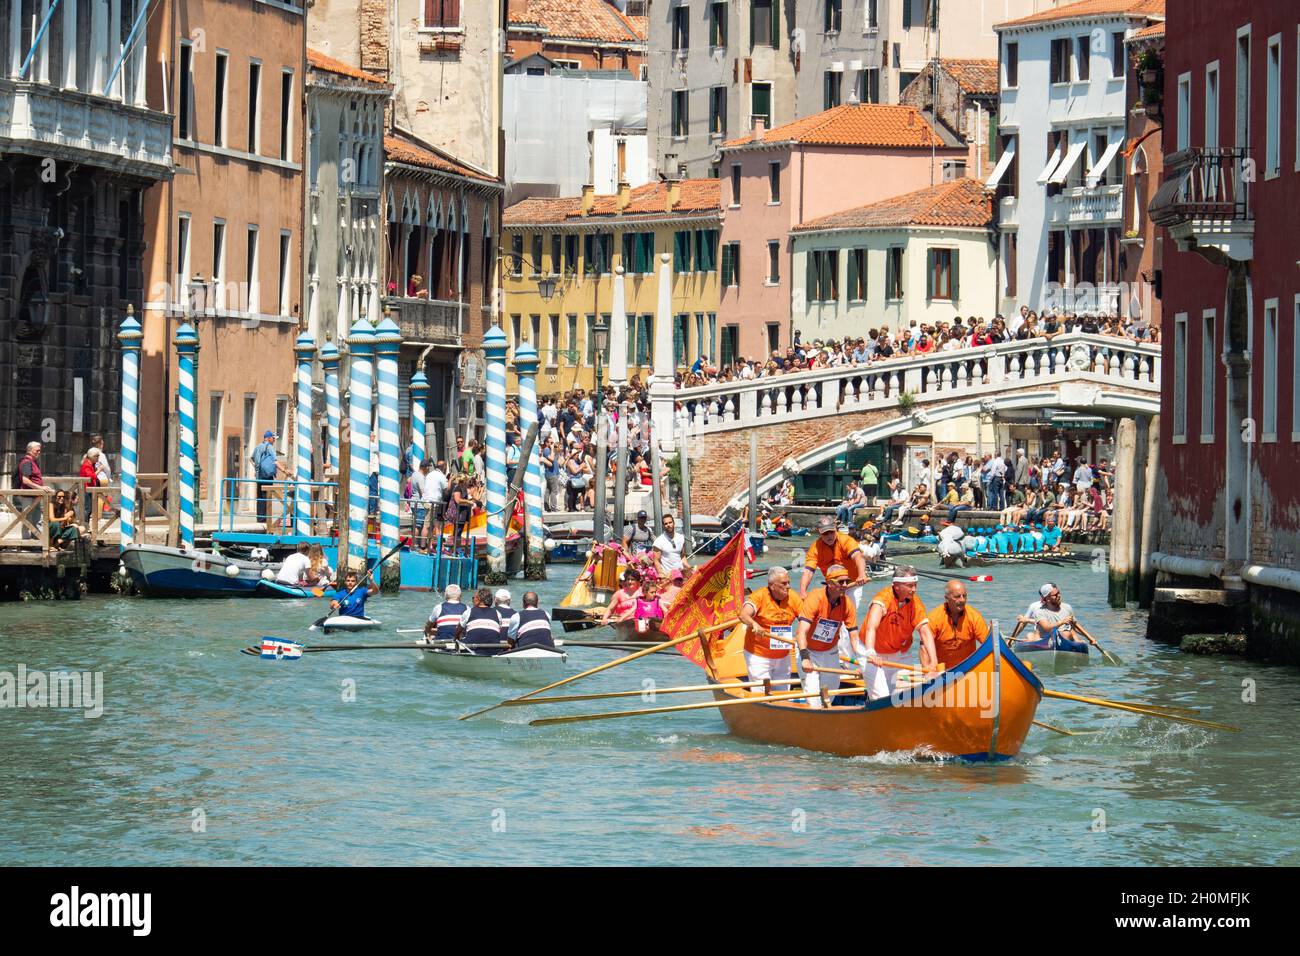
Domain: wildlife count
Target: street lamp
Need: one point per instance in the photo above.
(546, 288)
(600, 335)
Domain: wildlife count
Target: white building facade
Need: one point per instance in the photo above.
(1059, 176)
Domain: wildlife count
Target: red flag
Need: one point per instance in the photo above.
(713, 595)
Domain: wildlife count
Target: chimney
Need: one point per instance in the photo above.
(911, 119)
(760, 128)
(588, 198)
(624, 195)
(674, 194)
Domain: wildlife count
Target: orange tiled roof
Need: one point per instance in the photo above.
(865, 124)
(695, 196)
(401, 150)
(973, 76)
(961, 202)
(576, 20)
(1090, 8)
(327, 64)
(1146, 33)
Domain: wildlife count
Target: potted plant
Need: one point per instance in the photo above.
(1150, 68)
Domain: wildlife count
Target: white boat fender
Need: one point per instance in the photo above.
(232, 570)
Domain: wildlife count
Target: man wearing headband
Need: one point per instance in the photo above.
(1049, 613)
(829, 549)
(769, 615)
(821, 616)
(894, 614)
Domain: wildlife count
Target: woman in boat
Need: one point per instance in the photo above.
(480, 625)
(670, 591)
(318, 571)
(63, 522)
(622, 603)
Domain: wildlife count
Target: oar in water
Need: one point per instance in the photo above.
(977, 578)
(677, 708)
(1138, 709)
(696, 635)
(1093, 641)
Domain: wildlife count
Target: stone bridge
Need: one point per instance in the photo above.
(803, 419)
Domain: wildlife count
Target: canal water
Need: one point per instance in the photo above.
(206, 756)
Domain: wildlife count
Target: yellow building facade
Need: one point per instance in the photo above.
(561, 260)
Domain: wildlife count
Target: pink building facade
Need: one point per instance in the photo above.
(776, 179)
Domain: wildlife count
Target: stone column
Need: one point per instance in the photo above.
(129, 335)
(305, 350)
(1121, 534)
(329, 360)
(361, 343)
(187, 351)
(1150, 517)
(419, 398)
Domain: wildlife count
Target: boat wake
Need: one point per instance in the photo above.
(923, 754)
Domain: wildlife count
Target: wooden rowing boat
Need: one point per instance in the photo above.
(628, 631)
(980, 710)
(528, 666)
(1054, 654)
(580, 609)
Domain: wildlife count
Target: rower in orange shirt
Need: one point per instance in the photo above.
(895, 613)
(769, 615)
(958, 628)
(821, 617)
(829, 548)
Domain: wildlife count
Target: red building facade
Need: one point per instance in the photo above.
(1229, 512)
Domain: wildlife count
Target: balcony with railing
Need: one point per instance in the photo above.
(1204, 201)
(1083, 206)
(428, 321)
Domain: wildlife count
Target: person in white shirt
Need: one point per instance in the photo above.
(1083, 476)
(668, 549)
(293, 569)
(951, 548)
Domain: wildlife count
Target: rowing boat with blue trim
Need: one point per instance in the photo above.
(979, 710)
(1054, 653)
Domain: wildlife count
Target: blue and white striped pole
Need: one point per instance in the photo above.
(187, 351)
(305, 350)
(130, 335)
(526, 370)
(498, 515)
(329, 360)
(419, 398)
(388, 342)
(360, 345)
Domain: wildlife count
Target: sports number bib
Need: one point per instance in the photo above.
(827, 632)
(780, 640)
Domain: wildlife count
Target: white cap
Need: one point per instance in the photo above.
(503, 596)
(1046, 589)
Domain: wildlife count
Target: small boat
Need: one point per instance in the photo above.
(980, 710)
(535, 665)
(345, 622)
(159, 571)
(1054, 654)
(277, 589)
(589, 595)
(629, 630)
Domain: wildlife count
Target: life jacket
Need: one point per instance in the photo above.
(534, 629)
(483, 627)
(448, 619)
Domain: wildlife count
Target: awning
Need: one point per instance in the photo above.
(1099, 168)
(1050, 167)
(1067, 164)
(1003, 162)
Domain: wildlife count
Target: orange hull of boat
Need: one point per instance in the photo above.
(981, 709)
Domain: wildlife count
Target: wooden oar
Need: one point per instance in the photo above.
(1136, 709)
(1093, 641)
(693, 688)
(676, 708)
(697, 635)
(1056, 730)
(978, 578)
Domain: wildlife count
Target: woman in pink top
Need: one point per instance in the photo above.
(622, 603)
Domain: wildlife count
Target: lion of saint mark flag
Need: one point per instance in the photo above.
(714, 594)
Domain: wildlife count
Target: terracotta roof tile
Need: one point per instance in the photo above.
(576, 20)
(1146, 33)
(961, 202)
(695, 196)
(327, 64)
(400, 150)
(865, 124)
(1090, 8)
(973, 76)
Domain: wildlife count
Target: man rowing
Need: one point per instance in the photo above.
(481, 625)
(769, 615)
(445, 616)
(821, 616)
(895, 613)
(530, 626)
(957, 627)
(1050, 615)
(832, 548)
(350, 601)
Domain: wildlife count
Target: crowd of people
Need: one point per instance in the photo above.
(68, 512)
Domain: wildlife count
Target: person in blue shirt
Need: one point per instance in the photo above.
(350, 600)
(1051, 536)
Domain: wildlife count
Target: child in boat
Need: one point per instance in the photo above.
(649, 613)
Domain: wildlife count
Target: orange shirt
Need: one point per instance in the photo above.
(952, 644)
(825, 619)
(894, 633)
(771, 615)
(841, 552)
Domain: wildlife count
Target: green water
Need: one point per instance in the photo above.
(278, 768)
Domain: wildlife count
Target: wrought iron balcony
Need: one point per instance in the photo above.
(430, 321)
(1204, 201)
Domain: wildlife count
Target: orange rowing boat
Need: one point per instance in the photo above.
(981, 709)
